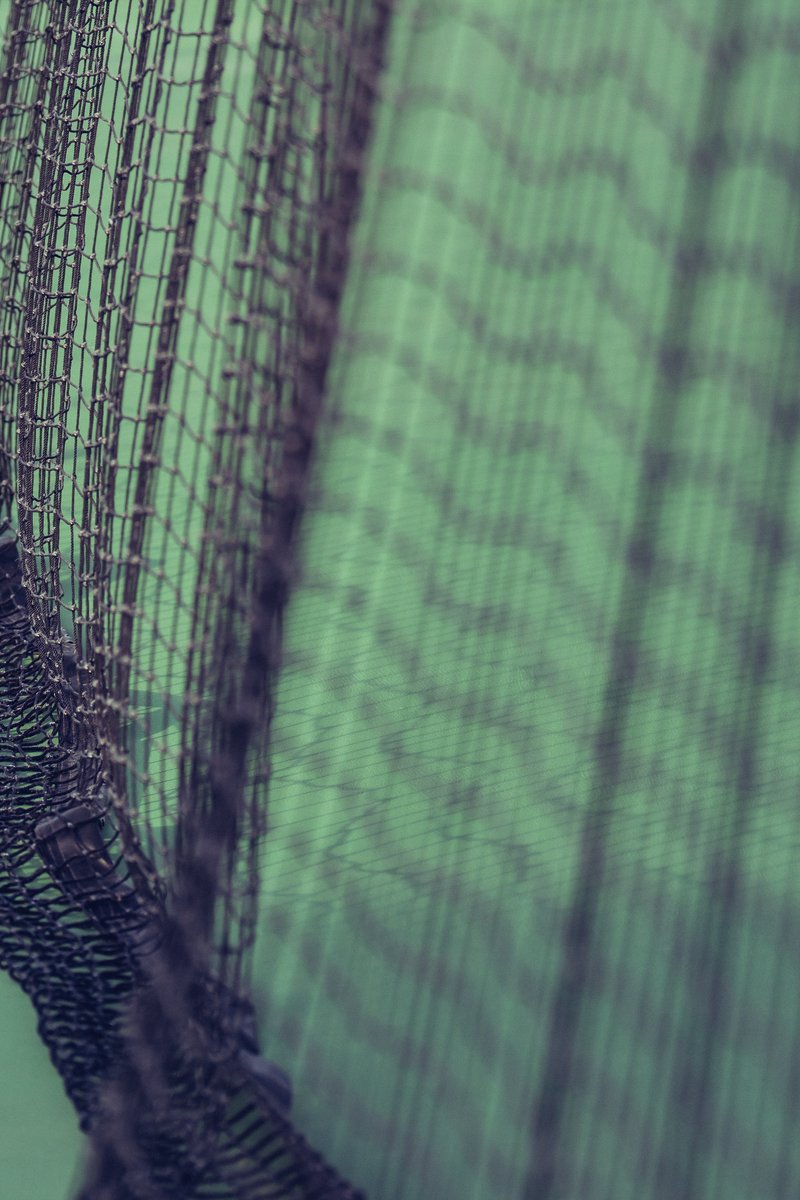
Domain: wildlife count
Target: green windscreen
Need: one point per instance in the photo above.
(523, 806)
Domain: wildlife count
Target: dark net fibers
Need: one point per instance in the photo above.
(399, 656)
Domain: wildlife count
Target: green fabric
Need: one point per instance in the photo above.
(530, 886)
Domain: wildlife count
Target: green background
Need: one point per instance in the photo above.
(452, 646)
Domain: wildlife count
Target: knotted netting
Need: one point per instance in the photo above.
(491, 889)
(178, 185)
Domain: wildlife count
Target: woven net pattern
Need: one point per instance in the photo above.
(178, 185)
(443, 355)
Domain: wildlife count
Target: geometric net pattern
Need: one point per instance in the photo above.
(398, 578)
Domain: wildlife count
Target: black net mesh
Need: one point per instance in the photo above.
(491, 890)
(178, 190)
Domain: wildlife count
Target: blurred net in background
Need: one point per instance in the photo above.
(522, 803)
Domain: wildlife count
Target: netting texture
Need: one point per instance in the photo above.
(178, 189)
(398, 576)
